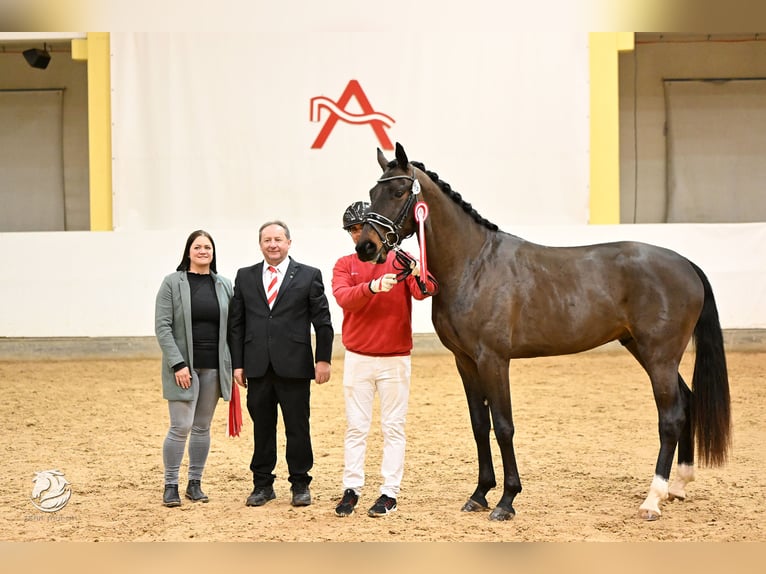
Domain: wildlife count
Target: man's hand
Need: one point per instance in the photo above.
(322, 372)
(239, 377)
(383, 283)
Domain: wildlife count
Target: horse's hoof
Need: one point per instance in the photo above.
(676, 496)
(501, 514)
(648, 515)
(472, 506)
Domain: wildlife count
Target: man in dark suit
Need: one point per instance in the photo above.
(275, 304)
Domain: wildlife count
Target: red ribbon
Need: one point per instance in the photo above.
(235, 412)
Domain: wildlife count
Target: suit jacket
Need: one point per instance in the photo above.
(173, 328)
(280, 335)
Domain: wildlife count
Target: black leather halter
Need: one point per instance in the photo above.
(392, 236)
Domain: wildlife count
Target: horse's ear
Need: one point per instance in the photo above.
(401, 156)
(382, 161)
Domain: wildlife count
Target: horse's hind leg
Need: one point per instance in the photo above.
(480, 423)
(685, 467)
(672, 420)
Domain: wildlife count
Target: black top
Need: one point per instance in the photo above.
(205, 320)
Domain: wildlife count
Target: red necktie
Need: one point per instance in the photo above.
(271, 292)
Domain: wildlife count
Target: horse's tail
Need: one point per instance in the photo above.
(711, 419)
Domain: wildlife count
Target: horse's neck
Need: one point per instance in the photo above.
(453, 239)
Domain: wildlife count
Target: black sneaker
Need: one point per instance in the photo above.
(383, 505)
(347, 503)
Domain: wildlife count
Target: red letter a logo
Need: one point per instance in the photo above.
(377, 120)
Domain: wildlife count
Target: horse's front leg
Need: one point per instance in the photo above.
(504, 430)
(480, 423)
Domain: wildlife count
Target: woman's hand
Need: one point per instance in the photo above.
(183, 378)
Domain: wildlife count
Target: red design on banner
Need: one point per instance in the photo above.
(378, 121)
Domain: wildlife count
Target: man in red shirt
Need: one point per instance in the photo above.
(377, 335)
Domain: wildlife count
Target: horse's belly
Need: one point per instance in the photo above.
(553, 347)
(562, 336)
(521, 342)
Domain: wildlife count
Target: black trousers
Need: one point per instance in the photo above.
(293, 397)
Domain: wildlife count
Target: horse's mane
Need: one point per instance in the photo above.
(453, 195)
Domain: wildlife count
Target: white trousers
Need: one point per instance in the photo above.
(363, 376)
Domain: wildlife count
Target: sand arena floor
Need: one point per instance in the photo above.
(586, 443)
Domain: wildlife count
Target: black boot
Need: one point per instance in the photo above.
(171, 498)
(194, 492)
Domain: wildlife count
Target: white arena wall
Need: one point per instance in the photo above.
(82, 284)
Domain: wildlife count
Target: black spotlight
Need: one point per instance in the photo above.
(37, 58)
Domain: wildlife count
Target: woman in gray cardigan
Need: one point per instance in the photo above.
(190, 322)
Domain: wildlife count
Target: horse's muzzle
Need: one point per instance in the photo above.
(368, 251)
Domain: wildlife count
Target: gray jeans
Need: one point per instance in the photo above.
(191, 416)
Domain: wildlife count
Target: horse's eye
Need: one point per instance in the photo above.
(400, 193)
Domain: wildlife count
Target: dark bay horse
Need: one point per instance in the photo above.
(502, 297)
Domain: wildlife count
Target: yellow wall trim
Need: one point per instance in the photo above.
(605, 124)
(99, 130)
(80, 50)
(626, 41)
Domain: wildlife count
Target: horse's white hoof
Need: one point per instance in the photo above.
(678, 495)
(648, 514)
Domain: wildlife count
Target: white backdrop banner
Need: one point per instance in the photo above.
(231, 130)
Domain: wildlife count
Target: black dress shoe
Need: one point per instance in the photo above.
(170, 498)
(194, 492)
(260, 496)
(301, 495)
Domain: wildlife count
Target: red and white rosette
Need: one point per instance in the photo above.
(421, 213)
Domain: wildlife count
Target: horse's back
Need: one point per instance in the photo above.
(561, 300)
(624, 268)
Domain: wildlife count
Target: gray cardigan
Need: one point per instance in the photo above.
(173, 328)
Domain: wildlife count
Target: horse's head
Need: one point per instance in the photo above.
(42, 482)
(52, 481)
(390, 218)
